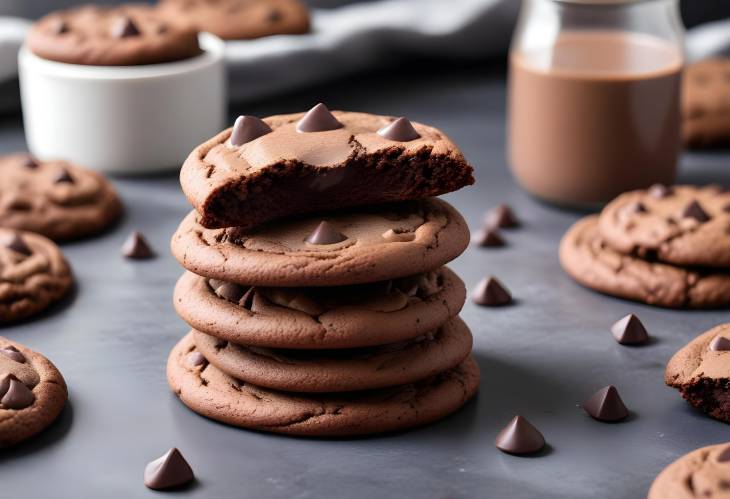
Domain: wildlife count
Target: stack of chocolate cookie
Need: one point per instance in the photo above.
(665, 246)
(316, 286)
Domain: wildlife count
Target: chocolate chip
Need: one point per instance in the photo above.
(660, 191)
(64, 177)
(724, 455)
(318, 119)
(695, 210)
(31, 163)
(636, 207)
(124, 27)
(230, 291)
(59, 27)
(325, 233)
(630, 331)
(246, 300)
(489, 238)
(136, 247)
(13, 354)
(520, 437)
(501, 217)
(606, 405)
(168, 471)
(720, 344)
(491, 293)
(400, 130)
(248, 128)
(17, 396)
(195, 359)
(274, 16)
(5, 383)
(726, 208)
(17, 244)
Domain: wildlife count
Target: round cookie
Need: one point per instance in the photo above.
(211, 393)
(703, 472)
(706, 103)
(32, 392)
(590, 261)
(341, 370)
(33, 274)
(682, 225)
(55, 198)
(315, 318)
(376, 243)
(240, 19)
(700, 371)
(127, 35)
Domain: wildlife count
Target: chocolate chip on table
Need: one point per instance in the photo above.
(520, 437)
(136, 247)
(660, 191)
(325, 233)
(630, 331)
(491, 293)
(695, 210)
(64, 177)
(124, 27)
(720, 344)
(248, 128)
(489, 238)
(400, 130)
(18, 245)
(13, 353)
(14, 394)
(168, 471)
(318, 119)
(606, 405)
(501, 217)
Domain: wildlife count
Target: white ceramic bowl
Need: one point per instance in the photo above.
(123, 119)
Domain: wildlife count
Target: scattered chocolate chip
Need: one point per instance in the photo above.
(325, 234)
(695, 210)
(720, 344)
(60, 27)
(400, 130)
(489, 238)
(520, 437)
(17, 395)
(136, 247)
(17, 244)
(230, 291)
(724, 455)
(64, 177)
(248, 128)
(195, 359)
(630, 331)
(318, 119)
(168, 471)
(501, 217)
(606, 405)
(31, 163)
(124, 27)
(491, 293)
(660, 191)
(13, 353)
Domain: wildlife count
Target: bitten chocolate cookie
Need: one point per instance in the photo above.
(33, 274)
(682, 225)
(126, 35)
(240, 19)
(703, 472)
(590, 261)
(32, 392)
(55, 198)
(700, 371)
(324, 317)
(301, 163)
(706, 104)
(341, 370)
(368, 244)
(211, 393)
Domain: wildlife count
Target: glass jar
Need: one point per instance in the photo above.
(593, 107)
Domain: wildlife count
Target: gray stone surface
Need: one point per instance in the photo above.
(539, 358)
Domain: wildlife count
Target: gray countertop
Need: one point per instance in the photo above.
(539, 358)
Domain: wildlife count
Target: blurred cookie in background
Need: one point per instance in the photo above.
(706, 104)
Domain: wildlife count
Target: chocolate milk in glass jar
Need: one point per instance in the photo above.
(594, 97)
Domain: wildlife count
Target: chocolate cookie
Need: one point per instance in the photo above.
(703, 472)
(341, 370)
(127, 35)
(55, 198)
(240, 19)
(700, 371)
(682, 225)
(301, 163)
(369, 244)
(590, 261)
(706, 103)
(324, 317)
(32, 392)
(33, 274)
(211, 393)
